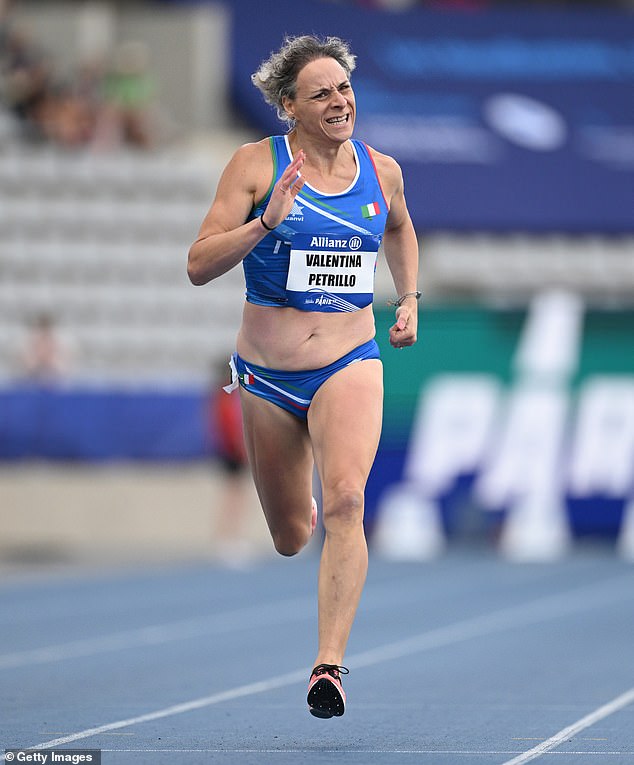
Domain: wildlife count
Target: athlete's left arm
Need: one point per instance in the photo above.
(400, 245)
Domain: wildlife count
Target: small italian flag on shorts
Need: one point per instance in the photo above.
(369, 211)
(247, 378)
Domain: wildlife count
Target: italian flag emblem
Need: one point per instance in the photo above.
(369, 211)
(247, 378)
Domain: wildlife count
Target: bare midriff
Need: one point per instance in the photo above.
(289, 339)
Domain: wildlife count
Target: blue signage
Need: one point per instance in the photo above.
(505, 120)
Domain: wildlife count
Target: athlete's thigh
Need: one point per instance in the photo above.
(344, 420)
(280, 456)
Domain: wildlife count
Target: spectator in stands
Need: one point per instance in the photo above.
(26, 78)
(46, 357)
(130, 93)
(65, 118)
(47, 108)
(326, 404)
(97, 106)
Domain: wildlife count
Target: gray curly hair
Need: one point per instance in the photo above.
(277, 76)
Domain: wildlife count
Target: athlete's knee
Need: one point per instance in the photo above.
(290, 540)
(343, 504)
(286, 547)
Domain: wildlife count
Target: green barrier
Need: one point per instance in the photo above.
(451, 339)
(592, 442)
(472, 339)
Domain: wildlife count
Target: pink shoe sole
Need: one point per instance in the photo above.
(326, 697)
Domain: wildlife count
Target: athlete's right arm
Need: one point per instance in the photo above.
(225, 237)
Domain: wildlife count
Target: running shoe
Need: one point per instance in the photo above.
(326, 697)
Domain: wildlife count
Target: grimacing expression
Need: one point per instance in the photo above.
(324, 100)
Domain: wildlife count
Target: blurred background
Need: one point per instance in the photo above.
(509, 428)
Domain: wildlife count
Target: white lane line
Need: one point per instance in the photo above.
(620, 702)
(158, 634)
(531, 612)
(189, 706)
(465, 752)
(542, 609)
(277, 612)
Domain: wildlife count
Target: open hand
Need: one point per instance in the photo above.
(285, 191)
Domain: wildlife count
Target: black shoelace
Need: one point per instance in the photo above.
(330, 669)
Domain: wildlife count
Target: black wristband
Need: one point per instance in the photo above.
(268, 228)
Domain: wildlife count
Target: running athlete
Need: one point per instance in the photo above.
(305, 214)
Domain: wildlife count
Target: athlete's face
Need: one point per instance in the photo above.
(324, 100)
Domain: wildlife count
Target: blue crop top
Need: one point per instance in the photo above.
(322, 257)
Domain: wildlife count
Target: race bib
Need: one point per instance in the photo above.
(329, 272)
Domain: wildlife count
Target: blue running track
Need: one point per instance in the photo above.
(468, 660)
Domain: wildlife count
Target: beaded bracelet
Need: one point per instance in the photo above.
(400, 300)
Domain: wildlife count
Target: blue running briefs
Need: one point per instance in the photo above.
(293, 391)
